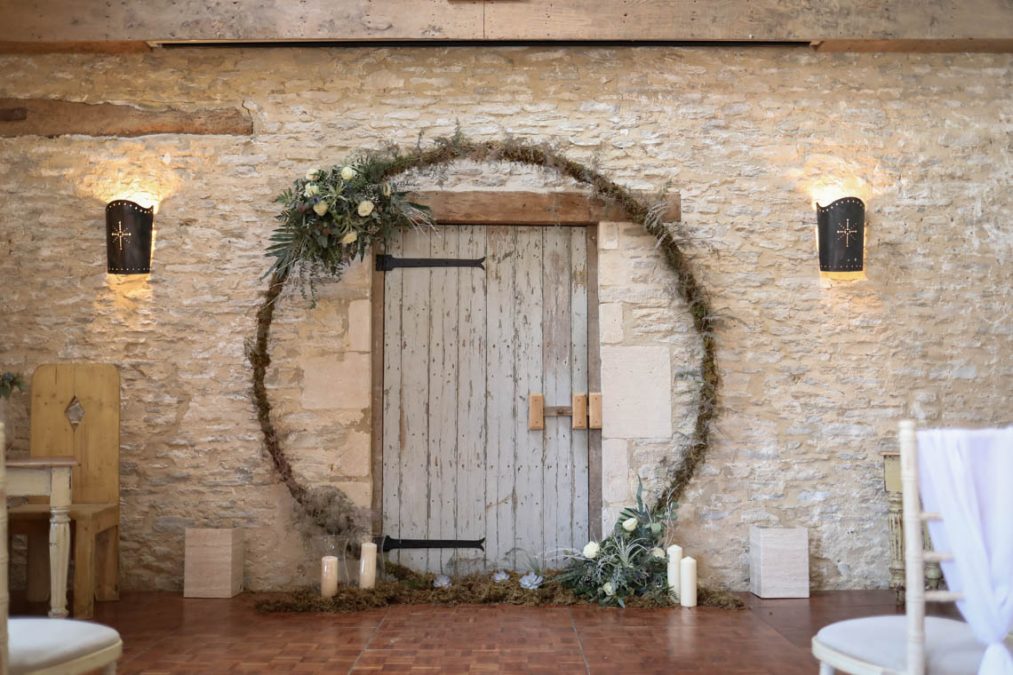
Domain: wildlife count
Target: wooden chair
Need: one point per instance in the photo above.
(40, 646)
(903, 645)
(75, 412)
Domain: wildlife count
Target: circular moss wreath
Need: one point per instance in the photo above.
(329, 507)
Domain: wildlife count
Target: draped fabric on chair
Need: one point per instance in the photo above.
(967, 476)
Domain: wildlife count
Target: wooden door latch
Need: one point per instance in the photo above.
(584, 411)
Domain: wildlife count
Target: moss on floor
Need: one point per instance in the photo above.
(405, 587)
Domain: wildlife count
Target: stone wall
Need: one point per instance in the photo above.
(814, 378)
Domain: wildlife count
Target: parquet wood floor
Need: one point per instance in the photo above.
(165, 634)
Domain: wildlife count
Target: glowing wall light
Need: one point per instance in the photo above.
(840, 234)
(128, 237)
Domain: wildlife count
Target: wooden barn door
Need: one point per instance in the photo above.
(463, 349)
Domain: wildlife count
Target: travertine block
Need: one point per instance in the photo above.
(779, 562)
(615, 469)
(636, 392)
(213, 563)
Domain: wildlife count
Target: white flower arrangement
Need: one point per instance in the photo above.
(629, 562)
(333, 216)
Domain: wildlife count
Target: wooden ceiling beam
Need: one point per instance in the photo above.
(907, 25)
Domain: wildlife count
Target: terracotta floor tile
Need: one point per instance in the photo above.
(167, 635)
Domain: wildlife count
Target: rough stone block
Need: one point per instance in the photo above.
(213, 563)
(615, 471)
(336, 382)
(636, 392)
(610, 318)
(608, 236)
(779, 562)
(359, 317)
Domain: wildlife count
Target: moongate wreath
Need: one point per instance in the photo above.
(333, 216)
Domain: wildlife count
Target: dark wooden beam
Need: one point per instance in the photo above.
(45, 117)
(70, 47)
(571, 208)
(916, 46)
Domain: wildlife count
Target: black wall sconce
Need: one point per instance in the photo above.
(841, 235)
(128, 237)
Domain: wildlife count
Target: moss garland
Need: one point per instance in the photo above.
(330, 508)
(405, 587)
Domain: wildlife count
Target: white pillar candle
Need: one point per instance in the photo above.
(687, 582)
(674, 560)
(328, 576)
(367, 565)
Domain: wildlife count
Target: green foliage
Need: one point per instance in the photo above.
(629, 563)
(333, 216)
(9, 382)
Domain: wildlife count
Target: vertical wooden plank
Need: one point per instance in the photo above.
(393, 438)
(594, 384)
(581, 338)
(500, 403)
(529, 445)
(471, 414)
(376, 409)
(443, 336)
(414, 466)
(557, 357)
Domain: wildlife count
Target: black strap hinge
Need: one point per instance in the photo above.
(386, 263)
(390, 543)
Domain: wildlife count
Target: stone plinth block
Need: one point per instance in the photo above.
(779, 562)
(213, 563)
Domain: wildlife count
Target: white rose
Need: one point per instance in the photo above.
(608, 588)
(347, 173)
(312, 174)
(365, 207)
(630, 524)
(350, 237)
(658, 552)
(591, 549)
(320, 208)
(311, 190)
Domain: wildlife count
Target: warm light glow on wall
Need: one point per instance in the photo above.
(134, 173)
(827, 190)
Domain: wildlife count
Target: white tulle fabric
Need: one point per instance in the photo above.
(967, 476)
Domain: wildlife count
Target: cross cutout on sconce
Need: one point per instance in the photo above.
(846, 232)
(120, 234)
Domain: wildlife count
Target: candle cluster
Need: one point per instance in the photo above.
(329, 571)
(681, 576)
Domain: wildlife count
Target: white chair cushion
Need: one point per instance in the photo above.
(42, 643)
(950, 646)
